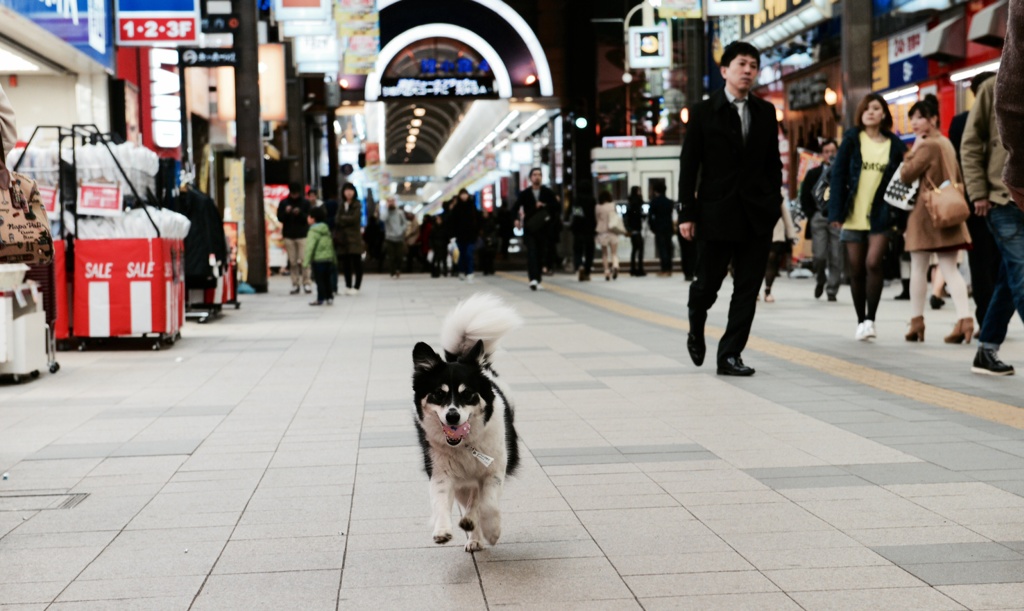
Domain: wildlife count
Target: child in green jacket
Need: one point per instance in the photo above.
(320, 255)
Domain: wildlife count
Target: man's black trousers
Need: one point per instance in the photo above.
(749, 260)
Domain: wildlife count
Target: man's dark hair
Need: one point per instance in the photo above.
(532, 170)
(318, 214)
(826, 142)
(295, 188)
(735, 49)
(657, 188)
(979, 79)
(604, 197)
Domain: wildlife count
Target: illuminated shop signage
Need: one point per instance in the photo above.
(438, 88)
(81, 23)
(165, 97)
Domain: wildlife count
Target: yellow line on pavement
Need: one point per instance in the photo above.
(995, 411)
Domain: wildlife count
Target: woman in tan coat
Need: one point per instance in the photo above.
(932, 159)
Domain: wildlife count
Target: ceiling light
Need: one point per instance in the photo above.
(414, 131)
(416, 122)
(901, 93)
(531, 79)
(411, 139)
(831, 97)
(344, 83)
(419, 112)
(970, 72)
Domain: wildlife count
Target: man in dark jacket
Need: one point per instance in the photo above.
(731, 153)
(293, 212)
(583, 224)
(536, 207)
(660, 221)
(827, 249)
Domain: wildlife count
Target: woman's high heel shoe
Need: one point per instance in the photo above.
(615, 273)
(916, 333)
(963, 331)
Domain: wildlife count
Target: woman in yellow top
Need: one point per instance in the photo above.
(866, 161)
(932, 159)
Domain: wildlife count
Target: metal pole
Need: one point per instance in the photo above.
(856, 55)
(250, 143)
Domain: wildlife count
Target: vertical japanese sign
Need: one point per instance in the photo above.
(905, 62)
(359, 31)
(879, 65)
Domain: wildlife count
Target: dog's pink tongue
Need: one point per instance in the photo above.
(457, 432)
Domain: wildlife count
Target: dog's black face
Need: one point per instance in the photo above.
(450, 396)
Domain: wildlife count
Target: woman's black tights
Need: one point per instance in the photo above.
(866, 274)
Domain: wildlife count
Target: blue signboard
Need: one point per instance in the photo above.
(910, 70)
(156, 6)
(84, 24)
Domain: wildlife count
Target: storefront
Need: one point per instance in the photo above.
(939, 56)
(56, 59)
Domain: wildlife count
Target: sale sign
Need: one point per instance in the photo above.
(159, 23)
(49, 197)
(99, 199)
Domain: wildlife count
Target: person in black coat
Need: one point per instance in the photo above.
(731, 154)
(464, 225)
(660, 220)
(583, 224)
(634, 221)
(536, 207)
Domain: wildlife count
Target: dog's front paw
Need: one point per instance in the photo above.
(466, 524)
(442, 536)
(473, 546)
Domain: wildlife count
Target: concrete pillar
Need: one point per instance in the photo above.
(856, 55)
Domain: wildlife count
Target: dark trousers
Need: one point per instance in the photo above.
(1007, 226)
(687, 255)
(749, 260)
(536, 255)
(663, 243)
(352, 265)
(322, 272)
(439, 264)
(984, 261)
(636, 255)
(467, 250)
(487, 255)
(583, 251)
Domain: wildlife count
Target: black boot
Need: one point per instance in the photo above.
(905, 295)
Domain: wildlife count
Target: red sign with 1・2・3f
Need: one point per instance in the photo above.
(150, 30)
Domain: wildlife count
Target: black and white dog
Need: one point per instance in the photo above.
(464, 419)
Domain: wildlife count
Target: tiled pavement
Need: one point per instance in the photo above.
(268, 461)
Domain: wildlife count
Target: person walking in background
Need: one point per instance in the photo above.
(932, 159)
(660, 222)
(1007, 222)
(866, 161)
(395, 225)
(826, 248)
(348, 238)
(412, 240)
(583, 225)
(533, 211)
(634, 220)
(607, 239)
(319, 255)
(439, 238)
(489, 241)
(780, 252)
(293, 213)
(730, 189)
(464, 223)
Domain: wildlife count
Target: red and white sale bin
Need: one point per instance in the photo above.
(128, 287)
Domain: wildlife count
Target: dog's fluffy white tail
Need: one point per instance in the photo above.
(480, 317)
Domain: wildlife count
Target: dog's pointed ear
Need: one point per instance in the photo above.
(424, 358)
(476, 355)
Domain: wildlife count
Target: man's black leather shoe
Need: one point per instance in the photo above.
(733, 366)
(697, 348)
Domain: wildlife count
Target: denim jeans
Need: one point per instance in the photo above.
(1007, 225)
(466, 251)
(663, 243)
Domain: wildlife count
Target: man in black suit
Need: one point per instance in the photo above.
(538, 208)
(730, 189)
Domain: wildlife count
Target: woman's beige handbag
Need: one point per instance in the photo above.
(946, 204)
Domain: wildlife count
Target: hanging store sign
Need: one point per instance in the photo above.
(438, 88)
(623, 142)
(719, 8)
(157, 23)
(99, 199)
(50, 200)
(312, 49)
(84, 24)
(650, 47)
(165, 98)
(220, 24)
(807, 92)
(359, 30)
(879, 65)
(681, 9)
(906, 65)
(302, 10)
(208, 58)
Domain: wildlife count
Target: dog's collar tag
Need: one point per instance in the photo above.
(483, 458)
